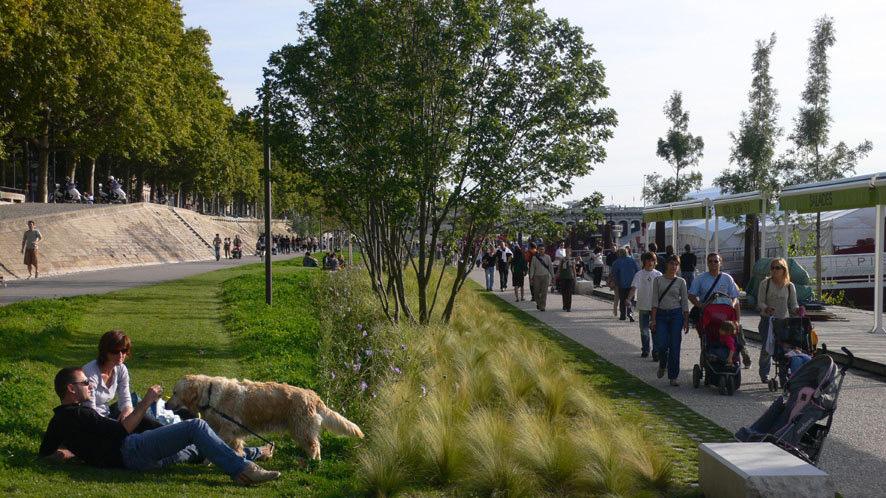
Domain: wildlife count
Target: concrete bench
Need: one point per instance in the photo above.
(758, 470)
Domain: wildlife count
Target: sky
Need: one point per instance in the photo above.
(649, 48)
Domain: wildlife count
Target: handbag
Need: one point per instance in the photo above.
(695, 312)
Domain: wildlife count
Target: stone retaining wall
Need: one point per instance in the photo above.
(84, 238)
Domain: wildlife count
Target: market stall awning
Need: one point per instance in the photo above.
(732, 206)
(685, 210)
(845, 193)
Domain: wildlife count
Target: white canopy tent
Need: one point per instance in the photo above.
(845, 193)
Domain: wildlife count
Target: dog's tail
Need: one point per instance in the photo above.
(337, 424)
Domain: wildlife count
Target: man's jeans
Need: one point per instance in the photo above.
(503, 276)
(645, 335)
(688, 276)
(188, 441)
(490, 277)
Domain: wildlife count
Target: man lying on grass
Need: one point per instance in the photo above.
(76, 430)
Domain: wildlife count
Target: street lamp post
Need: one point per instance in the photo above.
(267, 154)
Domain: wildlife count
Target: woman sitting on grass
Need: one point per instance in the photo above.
(109, 377)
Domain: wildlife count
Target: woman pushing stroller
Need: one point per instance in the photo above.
(776, 298)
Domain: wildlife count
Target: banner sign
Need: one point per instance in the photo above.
(734, 209)
(832, 201)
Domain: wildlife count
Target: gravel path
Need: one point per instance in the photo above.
(855, 451)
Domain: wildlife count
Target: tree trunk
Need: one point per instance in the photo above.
(43, 158)
(72, 167)
(90, 178)
(660, 235)
(750, 243)
(818, 255)
(139, 188)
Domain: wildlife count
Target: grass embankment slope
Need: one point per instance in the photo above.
(494, 403)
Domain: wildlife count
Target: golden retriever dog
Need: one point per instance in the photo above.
(261, 406)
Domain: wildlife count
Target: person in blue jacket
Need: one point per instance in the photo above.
(623, 270)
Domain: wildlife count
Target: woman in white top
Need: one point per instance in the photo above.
(109, 376)
(776, 298)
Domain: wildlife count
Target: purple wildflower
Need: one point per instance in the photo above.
(357, 367)
(368, 352)
(363, 385)
(396, 370)
(365, 334)
(359, 326)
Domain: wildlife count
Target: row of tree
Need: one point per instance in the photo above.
(418, 122)
(809, 157)
(127, 82)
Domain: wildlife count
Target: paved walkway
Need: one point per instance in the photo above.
(855, 450)
(99, 282)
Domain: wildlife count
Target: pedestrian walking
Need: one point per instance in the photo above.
(541, 271)
(216, 245)
(30, 240)
(533, 250)
(488, 264)
(776, 299)
(518, 272)
(641, 290)
(503, 257)
(623, 269)
(567, 279)
(597, 266)
(227, 246)
(717, 287)
(688, 261)
(670, 314)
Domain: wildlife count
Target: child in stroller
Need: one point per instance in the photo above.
(718, 365)
(792, 343)
(800, 420)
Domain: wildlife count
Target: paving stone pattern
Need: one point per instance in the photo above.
(854, 453)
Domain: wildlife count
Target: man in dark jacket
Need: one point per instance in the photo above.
(79, 431)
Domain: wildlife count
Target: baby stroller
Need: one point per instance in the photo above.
(713, 370)
(787, 334)
(800, 423)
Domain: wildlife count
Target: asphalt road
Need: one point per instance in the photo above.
(855, 451)
(102, 281)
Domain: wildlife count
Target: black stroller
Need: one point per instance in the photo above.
(800, 423)
(789, 333)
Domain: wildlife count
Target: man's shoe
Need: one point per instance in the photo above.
(764, 379)
(631, 318)
(674, 382)
(253, 474)
(644, 354)
(654, 355)
(661, 372)
(622, 318)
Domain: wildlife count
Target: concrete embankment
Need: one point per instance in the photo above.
(84, 238)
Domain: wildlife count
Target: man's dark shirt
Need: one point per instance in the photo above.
(309, 262)
(610, 258)
(90, 436)
(688, 261)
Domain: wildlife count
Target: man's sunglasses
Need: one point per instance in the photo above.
(81, 383)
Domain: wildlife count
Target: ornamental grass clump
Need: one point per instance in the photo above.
(483, 407)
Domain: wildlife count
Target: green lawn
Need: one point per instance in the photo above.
(215, 323)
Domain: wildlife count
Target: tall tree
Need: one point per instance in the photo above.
(682, 151)
(809, 160)
(753, 148)
(418, 120)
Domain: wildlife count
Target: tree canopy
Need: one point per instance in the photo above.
(418, 120)
(125, 81)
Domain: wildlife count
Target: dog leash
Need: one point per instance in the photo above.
(229, 418)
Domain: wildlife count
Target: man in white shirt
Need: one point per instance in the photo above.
(503, 258)
(641, 290)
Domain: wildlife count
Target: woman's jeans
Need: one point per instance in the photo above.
(668, 337)
(765, 360)
(490, 277)
(188, 441)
